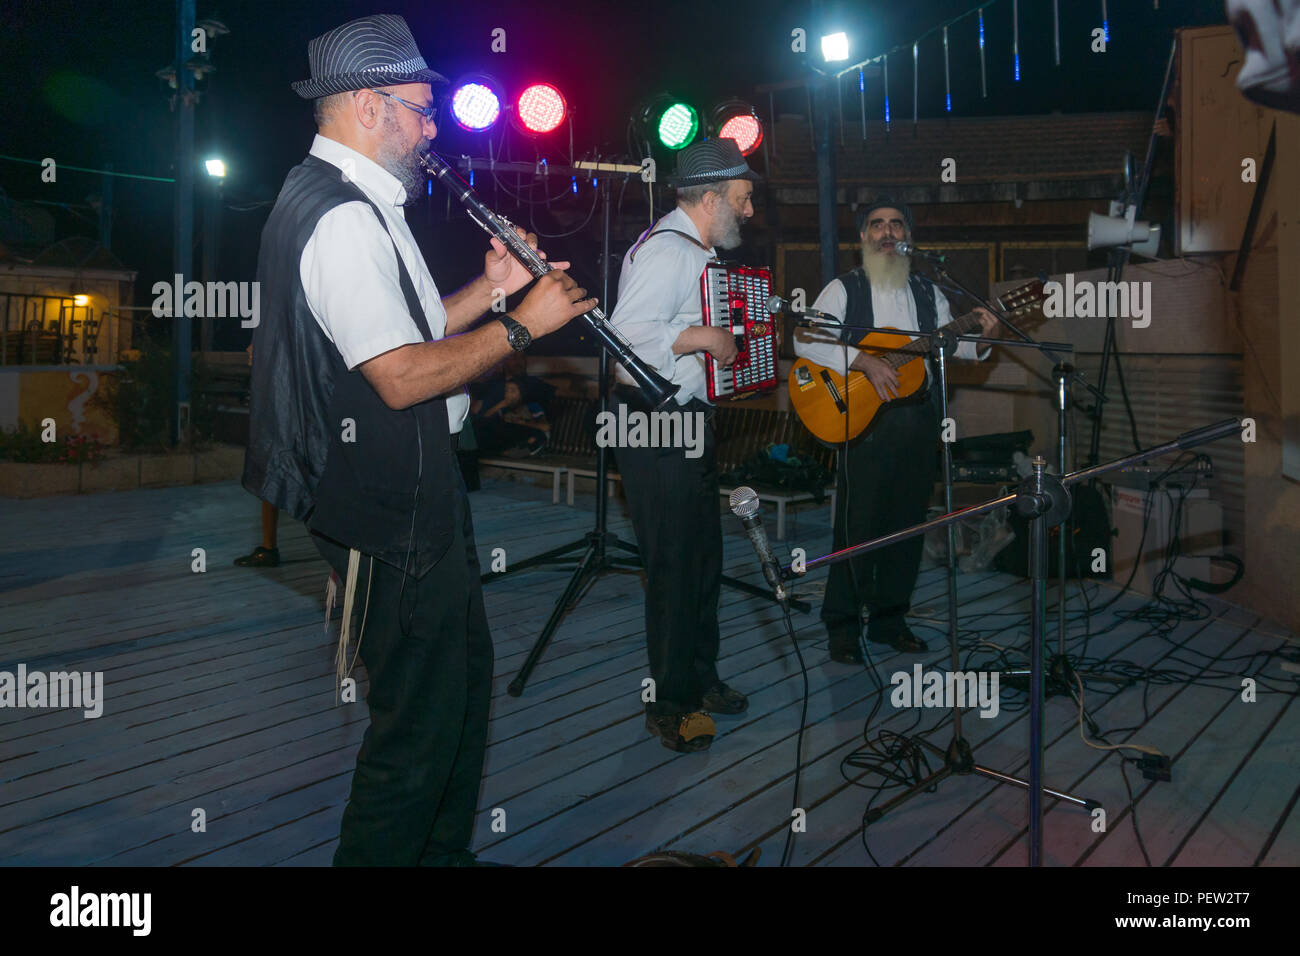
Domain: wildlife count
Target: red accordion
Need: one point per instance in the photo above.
(735, 298)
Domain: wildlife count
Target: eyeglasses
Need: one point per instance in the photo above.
(428, 112)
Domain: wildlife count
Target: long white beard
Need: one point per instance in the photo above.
(885, 270)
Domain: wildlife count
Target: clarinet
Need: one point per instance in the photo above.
(657, 390)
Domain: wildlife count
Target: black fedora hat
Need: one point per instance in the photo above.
(372, 51)
(711, 161)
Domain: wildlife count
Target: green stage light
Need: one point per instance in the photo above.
(678, 125)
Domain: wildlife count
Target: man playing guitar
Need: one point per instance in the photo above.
(886, 476)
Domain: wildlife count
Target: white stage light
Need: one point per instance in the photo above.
(835, 47)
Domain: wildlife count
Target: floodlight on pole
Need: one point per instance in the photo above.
(835, 47)
(215, 167)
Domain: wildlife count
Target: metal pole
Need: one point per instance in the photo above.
(211, 234)
(602, 382)
(828, 231)
(1062, 373)
(1038, 607)
(1056, 30)
(183, 237)
(1119, 256)
(941, 355)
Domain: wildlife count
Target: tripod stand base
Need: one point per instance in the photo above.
(959, 760)
(1060, 682)
(594, 561)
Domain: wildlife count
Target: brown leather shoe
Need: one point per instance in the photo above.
(260, 558)
(684, 733)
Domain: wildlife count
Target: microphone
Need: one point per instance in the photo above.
(906, 248)
(745, 506)
(777, 305)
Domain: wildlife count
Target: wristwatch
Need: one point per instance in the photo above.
(520, 338)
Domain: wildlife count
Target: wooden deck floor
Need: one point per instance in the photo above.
(219, 695)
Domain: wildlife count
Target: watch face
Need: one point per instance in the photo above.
(519, 336)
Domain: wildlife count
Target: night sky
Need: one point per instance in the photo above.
(81, 86)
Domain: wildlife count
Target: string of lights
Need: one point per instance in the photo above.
(87, 169)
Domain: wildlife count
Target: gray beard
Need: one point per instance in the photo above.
(726, 228)
(404, 165)
(886, 271)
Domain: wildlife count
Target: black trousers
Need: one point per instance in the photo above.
(673, 501)
(428, 654)
(883, 486)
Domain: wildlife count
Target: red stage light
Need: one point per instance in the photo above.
(746, 130)
(540, 108)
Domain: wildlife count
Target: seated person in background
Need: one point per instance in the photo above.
(508, 412)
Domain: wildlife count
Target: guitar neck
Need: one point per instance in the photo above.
(921, 347)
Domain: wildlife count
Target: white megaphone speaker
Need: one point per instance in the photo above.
(1120, 229)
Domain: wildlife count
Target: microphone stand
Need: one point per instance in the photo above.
(1045, 500)
(958, 758)
(1063, 375)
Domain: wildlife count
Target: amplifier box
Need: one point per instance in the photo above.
(1200, 536)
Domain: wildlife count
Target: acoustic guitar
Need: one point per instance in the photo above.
(833, 410)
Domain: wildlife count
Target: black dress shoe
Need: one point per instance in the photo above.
(260, 558)
(721, 699)
(847, 654)
(900, 639)
(843, 644)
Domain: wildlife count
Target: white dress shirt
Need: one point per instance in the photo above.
(350, 273)
(658, 297)
(896, 308)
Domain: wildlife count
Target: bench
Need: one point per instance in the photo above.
(611, 476)
(539, 465)
(741, 431)
(571, 445)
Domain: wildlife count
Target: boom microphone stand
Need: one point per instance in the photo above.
(958, 758)
(1062, 675)
(595, 546)
(1045, 500)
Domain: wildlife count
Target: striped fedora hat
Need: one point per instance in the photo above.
(712, 161)
(373, 51)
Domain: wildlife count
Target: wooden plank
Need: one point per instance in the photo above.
(228, 704)
(625, 795)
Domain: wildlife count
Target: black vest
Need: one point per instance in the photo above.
(323, 445)
(859, 310)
